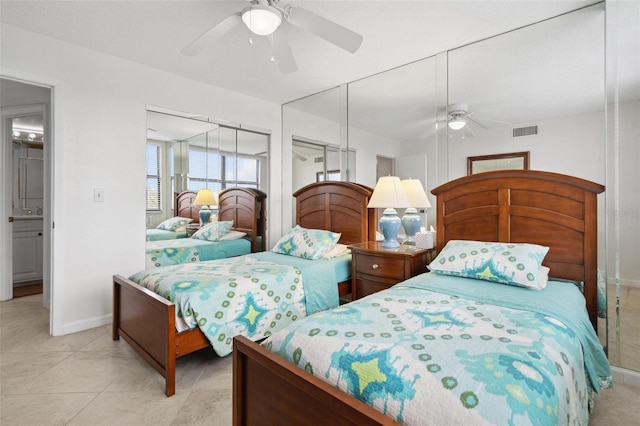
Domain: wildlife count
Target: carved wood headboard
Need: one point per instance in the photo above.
(247, 208)
(338, 207)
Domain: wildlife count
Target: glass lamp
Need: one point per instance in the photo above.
(205, 199)
(417, 199)
(389, 194)
(261, 19)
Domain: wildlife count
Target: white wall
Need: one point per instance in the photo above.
(99, 133)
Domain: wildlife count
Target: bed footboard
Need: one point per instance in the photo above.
(147, 322)
(269, 390)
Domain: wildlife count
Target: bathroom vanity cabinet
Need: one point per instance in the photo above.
(27, 249)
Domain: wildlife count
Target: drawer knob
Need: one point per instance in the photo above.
(375, 266)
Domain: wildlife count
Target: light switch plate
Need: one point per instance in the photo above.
(98, 195)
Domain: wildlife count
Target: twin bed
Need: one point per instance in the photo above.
(244, 207)
(253, 294)
(448, 349)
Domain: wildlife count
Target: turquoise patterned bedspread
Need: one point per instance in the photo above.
(240, 295)
(185, 250)
(162, 234)
(450, 350)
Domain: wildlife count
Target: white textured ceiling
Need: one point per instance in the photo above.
(395, 33)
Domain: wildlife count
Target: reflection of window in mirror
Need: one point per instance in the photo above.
(332, 175)
(507, 161)
(153, 177)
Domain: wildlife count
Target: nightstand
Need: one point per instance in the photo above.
(374, 268)
(192, 228)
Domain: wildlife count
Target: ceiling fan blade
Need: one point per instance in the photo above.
(282, 53)
(476, 122)
(212, 35)
(336, 34)
(467, 133)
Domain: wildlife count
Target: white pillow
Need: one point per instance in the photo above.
(338, 250)
(232, 235)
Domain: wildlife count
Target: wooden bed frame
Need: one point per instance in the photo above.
(147, 321)
(510, 206)
(246, 207)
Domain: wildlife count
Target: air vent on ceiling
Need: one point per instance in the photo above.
(524, 131)
(318, 159)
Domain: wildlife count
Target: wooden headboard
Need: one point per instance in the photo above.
(247, 208)
(338, 207)
(184, 207)
(527, 206)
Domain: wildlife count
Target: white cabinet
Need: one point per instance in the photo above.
(27, 250)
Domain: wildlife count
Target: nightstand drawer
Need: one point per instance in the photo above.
(381, 266)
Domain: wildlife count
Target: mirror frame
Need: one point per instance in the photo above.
(524, 155)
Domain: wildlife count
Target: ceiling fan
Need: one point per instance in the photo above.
(459, 118)
(264, 17)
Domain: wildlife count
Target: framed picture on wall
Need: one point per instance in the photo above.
(507, 161)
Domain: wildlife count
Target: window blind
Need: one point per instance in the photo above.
(153, 177)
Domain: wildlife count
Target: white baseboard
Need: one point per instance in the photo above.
(87, 324)
(625, 282)
(624, 376)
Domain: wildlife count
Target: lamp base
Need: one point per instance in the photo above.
(205, 215)
(411, 222)
(390, 225)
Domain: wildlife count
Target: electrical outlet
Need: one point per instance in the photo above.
(98, 195)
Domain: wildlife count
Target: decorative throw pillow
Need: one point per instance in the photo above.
(307, 243)
(213, 231)
(174, 223)
(508, 263)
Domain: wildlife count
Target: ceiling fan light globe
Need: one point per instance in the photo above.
(457, 124)
(262, 20)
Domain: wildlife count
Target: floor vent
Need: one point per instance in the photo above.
(524, 131)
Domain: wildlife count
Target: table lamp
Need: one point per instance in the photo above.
(417, 199)
(205, 199)
(389, 195)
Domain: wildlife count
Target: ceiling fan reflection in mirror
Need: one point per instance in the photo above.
(265, 17)
(459, 119)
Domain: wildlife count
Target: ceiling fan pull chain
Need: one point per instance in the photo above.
(250, 32)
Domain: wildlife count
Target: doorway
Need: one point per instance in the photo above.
(26, 201)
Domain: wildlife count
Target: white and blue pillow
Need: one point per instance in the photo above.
(174, 223)
(307, 243)
(213, 231)
(517, 264)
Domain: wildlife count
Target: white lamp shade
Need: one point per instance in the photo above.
(389, 193)
(205, 198)
(261, 19)
(416, 194)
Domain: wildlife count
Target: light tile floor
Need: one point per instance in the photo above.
(87, 379)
